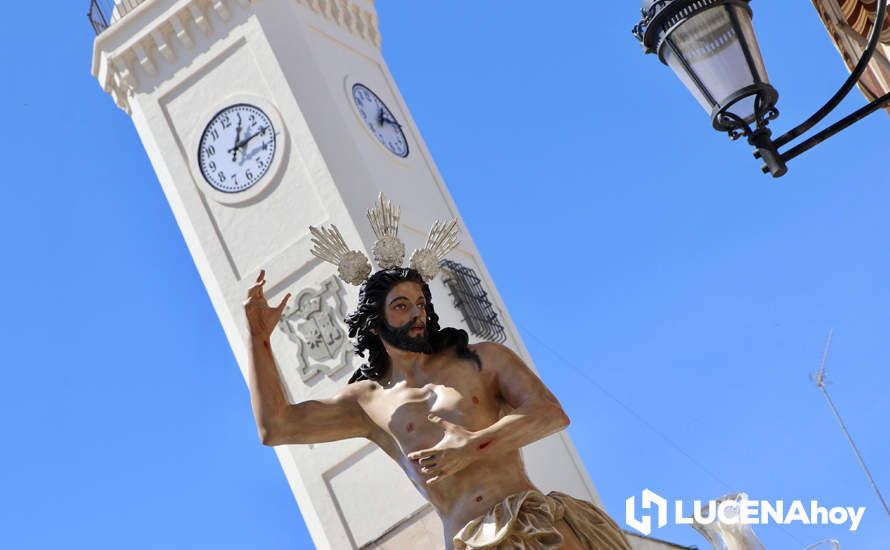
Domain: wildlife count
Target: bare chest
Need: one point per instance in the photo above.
(458, 393)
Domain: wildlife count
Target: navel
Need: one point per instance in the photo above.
(479, 498)
(475, 400)
(410, 427)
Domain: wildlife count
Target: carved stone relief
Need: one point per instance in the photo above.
(313, 321)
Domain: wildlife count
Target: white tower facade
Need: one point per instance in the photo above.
(262, 117)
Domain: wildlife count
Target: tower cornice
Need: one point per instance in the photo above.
(131, 48)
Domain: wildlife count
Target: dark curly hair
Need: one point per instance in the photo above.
(369, 314)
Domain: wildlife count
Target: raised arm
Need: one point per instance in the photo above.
(278, 421)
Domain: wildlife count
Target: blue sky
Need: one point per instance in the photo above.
(673, 298)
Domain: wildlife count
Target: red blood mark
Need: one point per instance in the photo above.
(486, 444)
(479, 499)
(475, 400)
(410, 426)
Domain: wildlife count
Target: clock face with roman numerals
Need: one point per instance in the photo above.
(236, 148)
(380, 120)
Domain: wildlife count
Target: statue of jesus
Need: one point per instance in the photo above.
(453, 415)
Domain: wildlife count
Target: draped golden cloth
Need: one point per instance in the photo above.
(527, 521)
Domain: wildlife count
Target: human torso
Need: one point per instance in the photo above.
(458, 391)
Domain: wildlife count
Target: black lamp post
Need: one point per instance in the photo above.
(711, 46)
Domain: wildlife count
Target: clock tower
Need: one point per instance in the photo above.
(261, 118)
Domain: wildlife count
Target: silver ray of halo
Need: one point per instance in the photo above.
(328, 244)
(384, 218)
(442, 238)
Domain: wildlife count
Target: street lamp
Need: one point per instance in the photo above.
(711, 47)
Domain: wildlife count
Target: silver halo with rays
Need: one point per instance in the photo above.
(389, 251)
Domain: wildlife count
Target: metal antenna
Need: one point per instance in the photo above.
(820, 382)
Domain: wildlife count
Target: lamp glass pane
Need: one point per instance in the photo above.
(675, 62)
(709, 43)
(744, 108)
(750, 38)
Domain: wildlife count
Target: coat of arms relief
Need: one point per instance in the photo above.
(313, 321)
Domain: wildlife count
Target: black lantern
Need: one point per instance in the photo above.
(711, 47)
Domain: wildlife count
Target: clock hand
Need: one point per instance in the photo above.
(237, 137)
(245, 141)
(384, 118)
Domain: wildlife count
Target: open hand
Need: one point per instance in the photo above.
(452, 454)
(261, 318)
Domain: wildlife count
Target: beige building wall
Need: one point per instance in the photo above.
(849, 24)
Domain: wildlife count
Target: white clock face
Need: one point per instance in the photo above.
(236, 148)
(380, 120)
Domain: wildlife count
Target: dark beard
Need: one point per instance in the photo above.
(398, 337)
